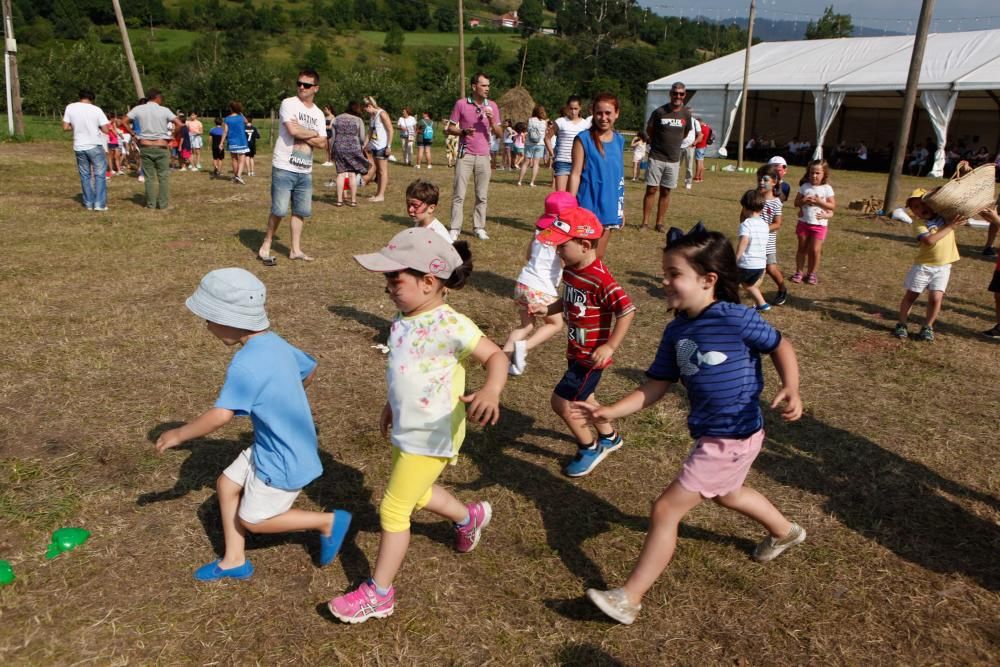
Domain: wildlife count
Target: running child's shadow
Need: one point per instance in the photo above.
(401, 220)
(902, 505)
(340, 486)
(647, 281)
(570, 514)
(494, 283)
(377, 323)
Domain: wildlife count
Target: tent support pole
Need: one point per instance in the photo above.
(996, 100)
(912, 81)
(746, 79)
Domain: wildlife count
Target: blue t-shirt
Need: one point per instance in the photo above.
(237, 137)
(602, 182)
(264, 382)
(716, 356)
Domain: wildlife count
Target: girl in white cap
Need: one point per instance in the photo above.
(426, 406)
(265, 381)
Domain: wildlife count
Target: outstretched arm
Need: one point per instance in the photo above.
(645, 395)
(208, 422)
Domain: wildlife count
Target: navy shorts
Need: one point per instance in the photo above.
(579, 382)
(995, 283)
(750, 276)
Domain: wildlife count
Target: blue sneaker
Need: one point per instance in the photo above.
(763, 308)
(587, 458)
(612, 443)
(329, 547)
(212, 572)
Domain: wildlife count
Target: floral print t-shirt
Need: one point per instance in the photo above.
(426, 378)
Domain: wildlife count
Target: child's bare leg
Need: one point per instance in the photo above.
(906, 305)
(521, 332)
(294, 521)
(753, 504)
(391, 552)
(815, 252)
(272, 226)
(800, 255)
(774, 271)
(232, 529)
(578, 427)
(755, 294)
(552, 324)
(443, 503)
(661, 540)
(934, 300)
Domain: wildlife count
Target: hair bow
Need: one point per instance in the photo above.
(675, 235)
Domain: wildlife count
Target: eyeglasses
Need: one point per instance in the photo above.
(677, 94)
(304, 84)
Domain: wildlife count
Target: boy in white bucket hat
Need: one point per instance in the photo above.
(265, 381)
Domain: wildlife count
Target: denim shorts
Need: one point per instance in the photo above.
(379, 153)
(579, 382)
(291, 187)
(534, 151)
(560, 168)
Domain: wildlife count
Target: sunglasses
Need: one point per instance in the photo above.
(673, 94)
(304, 84)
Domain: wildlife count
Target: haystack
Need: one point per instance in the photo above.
(516, 104)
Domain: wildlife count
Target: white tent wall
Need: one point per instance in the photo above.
(870, 71)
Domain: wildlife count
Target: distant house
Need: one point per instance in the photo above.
(548, 31)
(508, 20)
(473, 23)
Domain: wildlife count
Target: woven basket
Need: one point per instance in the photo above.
(964, 196)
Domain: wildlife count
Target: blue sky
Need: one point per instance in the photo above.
(894, 15)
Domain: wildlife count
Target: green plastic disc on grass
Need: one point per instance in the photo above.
(6, 573)
(66, 539)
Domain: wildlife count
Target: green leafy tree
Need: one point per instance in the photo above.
(530, 13)
(409, 14)
(488, 54)
(68, 21)
(315, 58)
(394, 39)
(446, 19)
(830, 26)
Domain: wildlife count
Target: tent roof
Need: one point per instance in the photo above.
(952, 60)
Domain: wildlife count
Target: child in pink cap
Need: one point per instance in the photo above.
(538, 284)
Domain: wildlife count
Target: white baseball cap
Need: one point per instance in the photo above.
(418, 248)
(777, 159)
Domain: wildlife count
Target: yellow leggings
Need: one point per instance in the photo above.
(413, 476)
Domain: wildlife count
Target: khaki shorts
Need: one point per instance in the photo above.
(663, 174)
(259, 502)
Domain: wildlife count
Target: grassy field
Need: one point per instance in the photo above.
(889, 469)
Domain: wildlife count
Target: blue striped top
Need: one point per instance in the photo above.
(716, 356)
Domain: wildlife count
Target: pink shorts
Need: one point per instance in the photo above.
(717, 466)
(528, 296)
(805, 230)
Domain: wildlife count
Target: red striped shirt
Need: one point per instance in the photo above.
(591, 301)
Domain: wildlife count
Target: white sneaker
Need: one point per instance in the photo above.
(771, 548)
(142, 179)
(687, 185)
(418, 166)
(454, 234)
(615, 604)
(430, 166)
(327, 164)
(482, 235)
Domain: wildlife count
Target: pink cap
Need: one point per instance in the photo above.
(555, 203)
(574, 223)
(418, 248)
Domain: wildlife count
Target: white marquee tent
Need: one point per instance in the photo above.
(854, 85)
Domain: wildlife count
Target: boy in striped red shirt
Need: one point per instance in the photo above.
(598, 313)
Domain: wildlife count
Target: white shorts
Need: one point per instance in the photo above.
(260, 502)
(663, 174)
(195, 141)
(927, 276)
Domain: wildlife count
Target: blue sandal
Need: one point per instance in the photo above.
(329, 547)
(212, 572)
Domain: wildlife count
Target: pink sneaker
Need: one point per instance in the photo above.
(812, 279)
(467, 536)
(796, 277)
(362, 603)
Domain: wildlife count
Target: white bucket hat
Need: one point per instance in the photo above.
(232, 298)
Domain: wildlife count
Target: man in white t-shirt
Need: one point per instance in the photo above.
(89, 126)
(407, 125)
(302, 131)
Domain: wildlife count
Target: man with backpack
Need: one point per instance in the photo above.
(707, 139)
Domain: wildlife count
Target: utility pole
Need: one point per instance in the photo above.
(461, 50)
(909, 98)
(524, 58)
(136, 81)
(744, 98)
(15, 118)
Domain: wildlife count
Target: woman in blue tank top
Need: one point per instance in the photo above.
(598, 175)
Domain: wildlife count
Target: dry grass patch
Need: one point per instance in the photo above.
(891, 469)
